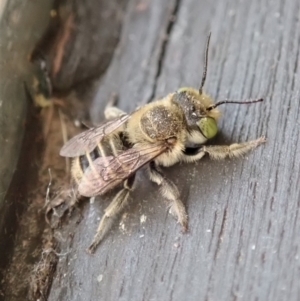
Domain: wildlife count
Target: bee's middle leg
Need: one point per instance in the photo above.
(114, 208)
(171, 193)
(111, 111)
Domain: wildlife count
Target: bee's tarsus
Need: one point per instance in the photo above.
(184, 229)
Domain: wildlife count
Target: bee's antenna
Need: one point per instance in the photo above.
(234, 101)
(205, 65)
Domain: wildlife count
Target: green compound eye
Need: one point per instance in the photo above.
(208, 127)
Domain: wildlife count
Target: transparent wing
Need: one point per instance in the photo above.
(107, 172)
(88, 140)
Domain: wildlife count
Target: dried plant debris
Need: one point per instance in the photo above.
(41, 279)
(49, 171)
(62, 201)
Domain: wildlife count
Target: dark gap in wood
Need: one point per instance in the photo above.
(17, 196)
(160, 62)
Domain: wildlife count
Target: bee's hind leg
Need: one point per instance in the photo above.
(111, 212)
(111, 111)
(171, 193)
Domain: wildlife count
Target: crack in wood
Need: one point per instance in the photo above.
(221, 234)
(164, 45)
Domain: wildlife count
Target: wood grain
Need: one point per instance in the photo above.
(243, 214)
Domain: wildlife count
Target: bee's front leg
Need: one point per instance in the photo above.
(111, 111)
(234, 150)
(114, 208)
(222, 151)
(171, 193)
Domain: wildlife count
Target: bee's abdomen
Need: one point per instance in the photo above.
(110, 146)
(84, 162)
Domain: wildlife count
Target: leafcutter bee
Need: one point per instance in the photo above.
(157, 134)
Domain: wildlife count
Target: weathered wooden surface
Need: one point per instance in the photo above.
(79, 41)
(25, 239)
(19, 31)
(243, 214)
(14, 70)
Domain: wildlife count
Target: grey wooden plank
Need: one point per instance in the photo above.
(29, 146)
(243, 214)
(132, 73)
(14, 62)
(79, 41)
(19, 31)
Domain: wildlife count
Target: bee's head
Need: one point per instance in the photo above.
(200, 111)
(197, 110)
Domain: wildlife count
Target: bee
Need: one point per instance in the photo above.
(161, 133)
